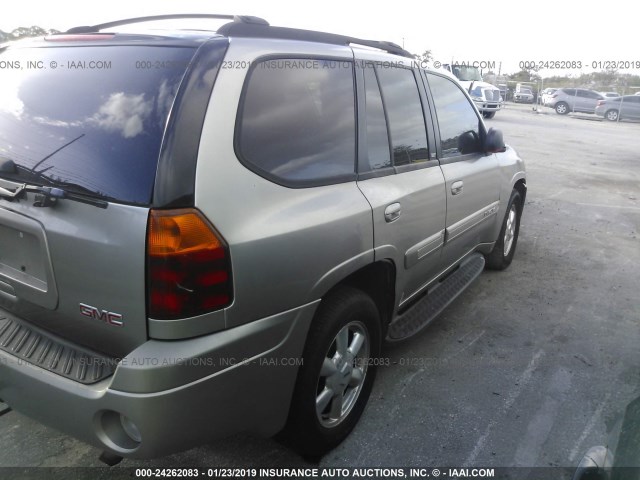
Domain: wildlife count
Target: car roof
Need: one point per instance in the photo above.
(237, 26)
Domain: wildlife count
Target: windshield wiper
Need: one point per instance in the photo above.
(53, 190)
(48, 196)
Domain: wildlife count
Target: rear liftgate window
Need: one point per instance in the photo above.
(88, 118)
(297, 121)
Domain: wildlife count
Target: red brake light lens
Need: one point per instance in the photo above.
(188, 270)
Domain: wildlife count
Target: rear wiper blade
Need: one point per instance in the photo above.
(60, 189)
(48, 196)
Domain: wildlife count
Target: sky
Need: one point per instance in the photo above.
(500, 33)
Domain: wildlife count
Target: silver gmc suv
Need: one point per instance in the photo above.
(212, 232)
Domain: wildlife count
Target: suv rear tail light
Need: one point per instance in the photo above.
(600, 102)
(554, 95)
(188, 269)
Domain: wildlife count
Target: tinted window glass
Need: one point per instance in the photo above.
(459, 124)
(95, 122)
(377, 135)
(404, 112)
(569, 91)
(298, 120)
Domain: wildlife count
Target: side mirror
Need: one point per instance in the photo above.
(493, 142)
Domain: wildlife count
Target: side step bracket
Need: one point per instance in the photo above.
(436, 300)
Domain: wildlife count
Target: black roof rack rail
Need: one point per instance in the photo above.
(282, 33)
(240, 19)
(250, 26)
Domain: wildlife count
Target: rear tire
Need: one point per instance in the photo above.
(504, 249)
(337, 374)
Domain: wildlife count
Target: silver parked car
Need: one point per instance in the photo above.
(212, 232)
(565, 100)
(614, 109)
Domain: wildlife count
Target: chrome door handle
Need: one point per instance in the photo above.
(392, 212)
(456, 188)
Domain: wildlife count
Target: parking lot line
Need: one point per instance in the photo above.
(520, 382)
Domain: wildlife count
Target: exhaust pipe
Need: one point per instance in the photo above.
(110, 459)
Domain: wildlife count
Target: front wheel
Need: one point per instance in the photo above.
(504, 249)
(611, 115)
(562, 108)
(488, 114)
(337, 374)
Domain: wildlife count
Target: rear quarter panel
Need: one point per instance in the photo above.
(288, 246)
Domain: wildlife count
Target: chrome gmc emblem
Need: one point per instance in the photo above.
(105, 316)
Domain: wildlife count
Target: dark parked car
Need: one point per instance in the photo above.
(614, 109)
(619, 459)
(524, 95)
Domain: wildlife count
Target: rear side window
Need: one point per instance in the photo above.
(377, 134)
(404, 112)
(91, 118)
(459, 124)
(297, 121)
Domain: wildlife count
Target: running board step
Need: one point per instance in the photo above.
(4, 408)
(430, 306)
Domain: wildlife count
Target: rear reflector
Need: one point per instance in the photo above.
(188, 270)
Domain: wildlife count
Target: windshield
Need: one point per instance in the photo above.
(466, 73)
(91, 118)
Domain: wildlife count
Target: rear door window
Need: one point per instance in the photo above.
(89, 118)
(404, 112)
(377, 133)
(297, 121)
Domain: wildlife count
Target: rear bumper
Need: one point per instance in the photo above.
(178, 394)
(600, 111)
